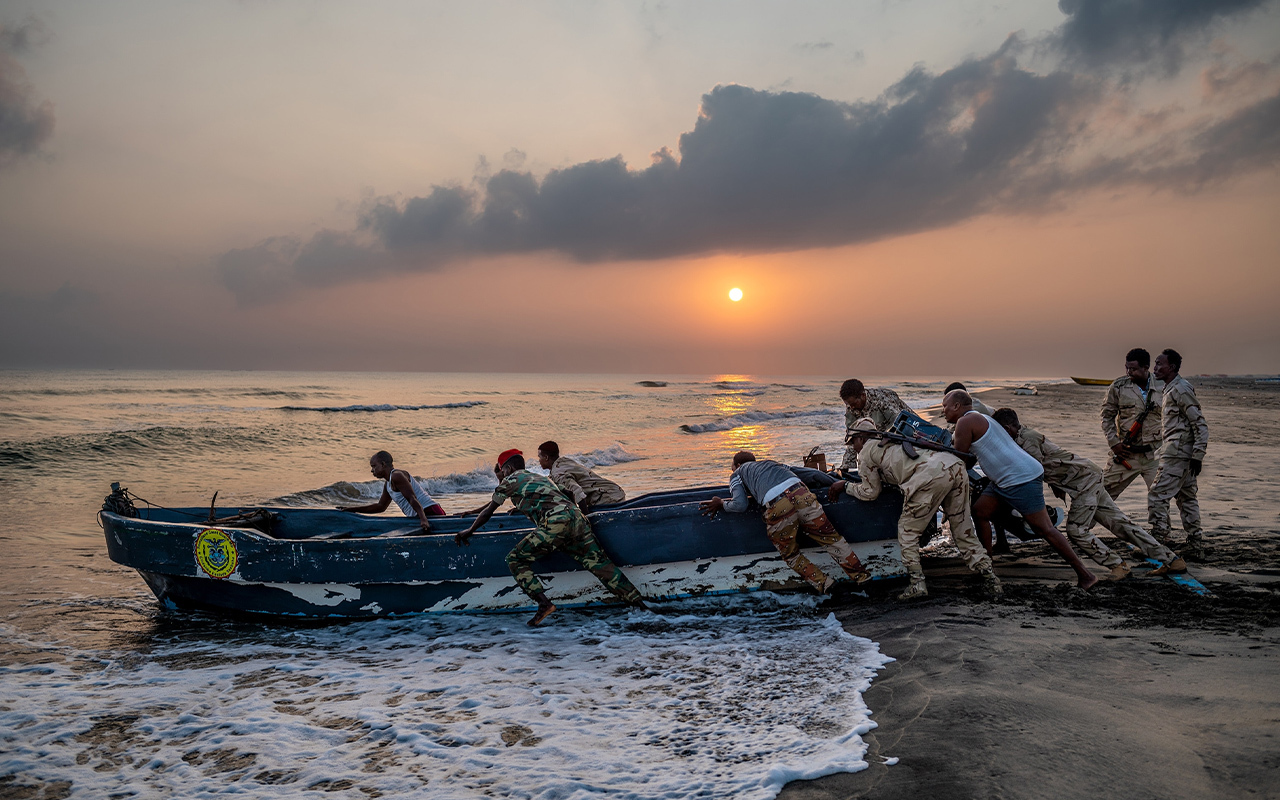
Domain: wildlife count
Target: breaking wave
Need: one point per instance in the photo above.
(606, 457)
(384, 407)
(817, 415)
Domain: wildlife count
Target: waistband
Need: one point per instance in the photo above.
(1140, 448)
(779, 490)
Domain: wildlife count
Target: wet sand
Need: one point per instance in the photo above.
(1137, 689)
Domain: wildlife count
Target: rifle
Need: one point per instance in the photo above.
(910, 443)
(1135, 430)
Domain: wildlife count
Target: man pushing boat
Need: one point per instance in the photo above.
(560, 525)
(407, 492)
(788, 507)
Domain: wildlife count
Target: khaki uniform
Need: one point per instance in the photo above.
(1186, 439)
(581, 484)
(1081, 480)
(1125, 401)
(560, 526)
(932, 480)
(882, 407)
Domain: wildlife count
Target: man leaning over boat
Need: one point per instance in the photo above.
(788, 507)
(586, 488)
(407, 492)
(560, 525)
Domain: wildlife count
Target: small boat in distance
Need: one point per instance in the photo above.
(1092, 381)
(324, 563)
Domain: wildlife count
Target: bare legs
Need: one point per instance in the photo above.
(1039, 522)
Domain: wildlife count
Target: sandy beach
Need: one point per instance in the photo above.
(1136, 689)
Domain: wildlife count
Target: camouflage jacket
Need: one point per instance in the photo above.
(882, 407)
(581, 483)
(1186, 434)
(1124, 403)
(535, 496)
(884, 462)
(1065, 471)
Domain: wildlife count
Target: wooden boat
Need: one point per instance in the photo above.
(1092, 381)
(327, 563)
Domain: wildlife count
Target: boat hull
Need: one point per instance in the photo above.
(666, 548)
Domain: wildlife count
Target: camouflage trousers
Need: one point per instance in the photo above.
(570, 534)
(795, 509)
(1174, 481)
(1117, 477)
(1095, 505)
(947, 488)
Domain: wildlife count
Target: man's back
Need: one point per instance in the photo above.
(1062, 468)
(1001, 459)
(582, 484)
(533, 495)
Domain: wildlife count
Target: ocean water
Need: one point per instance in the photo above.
(103, 694)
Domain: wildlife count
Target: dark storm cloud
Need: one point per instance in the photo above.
(1143, 33)
(25, 122)
(771, 171)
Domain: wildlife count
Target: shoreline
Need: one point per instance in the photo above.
(1134, 689)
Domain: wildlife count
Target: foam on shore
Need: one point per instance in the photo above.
(720, 698)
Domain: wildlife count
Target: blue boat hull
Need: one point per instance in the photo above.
(377, 568)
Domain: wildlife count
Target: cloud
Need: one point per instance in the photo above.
(1149, 34)
(765, 171)
(25, 124)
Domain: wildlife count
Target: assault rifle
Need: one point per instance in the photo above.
(910, 443)
(1134, 433)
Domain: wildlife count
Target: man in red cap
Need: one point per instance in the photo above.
(559, 526)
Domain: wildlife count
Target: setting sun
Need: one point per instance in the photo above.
(735, 294)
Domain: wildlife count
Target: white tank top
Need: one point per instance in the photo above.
(424, 499)
(1001, 458)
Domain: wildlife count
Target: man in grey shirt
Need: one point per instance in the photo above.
(788, 507)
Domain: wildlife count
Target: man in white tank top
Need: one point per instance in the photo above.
(401, 487)
(1015, 478)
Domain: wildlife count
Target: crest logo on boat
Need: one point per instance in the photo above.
(216, 554)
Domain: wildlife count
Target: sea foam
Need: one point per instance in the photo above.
(715, 698)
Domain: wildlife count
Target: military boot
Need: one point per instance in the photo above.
(1121, 571)
(915, 589)
(991, 584)
(1194, 548)
(1174, 567)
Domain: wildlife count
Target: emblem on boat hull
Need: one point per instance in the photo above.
(216, 554)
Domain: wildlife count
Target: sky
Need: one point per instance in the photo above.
(898, 187)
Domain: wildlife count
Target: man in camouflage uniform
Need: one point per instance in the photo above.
(1069, 475)
(1186, 440)
(560, 526)
(930, 480)
(881, 406)
(1127, 399)
(789, 506)
(585, 487)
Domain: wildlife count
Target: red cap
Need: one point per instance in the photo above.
(507, 454)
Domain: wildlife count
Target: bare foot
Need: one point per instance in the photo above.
(1087, 583)
(542, 613)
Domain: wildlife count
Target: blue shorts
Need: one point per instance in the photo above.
(1027, 498)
